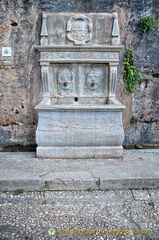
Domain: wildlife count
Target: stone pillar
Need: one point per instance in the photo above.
(112, 79)
(45, 79)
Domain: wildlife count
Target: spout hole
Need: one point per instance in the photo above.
(76, 99)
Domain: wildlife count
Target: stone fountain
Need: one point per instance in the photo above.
(79, 115)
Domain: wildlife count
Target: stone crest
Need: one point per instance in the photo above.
(79, 29)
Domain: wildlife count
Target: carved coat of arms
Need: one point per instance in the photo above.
(79, 29)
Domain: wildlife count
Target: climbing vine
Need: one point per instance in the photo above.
(130, 75)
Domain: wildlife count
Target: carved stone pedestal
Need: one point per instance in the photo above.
(79, 116)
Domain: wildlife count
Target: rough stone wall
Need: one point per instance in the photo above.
(20, 85)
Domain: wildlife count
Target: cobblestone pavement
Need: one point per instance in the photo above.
(80, 215)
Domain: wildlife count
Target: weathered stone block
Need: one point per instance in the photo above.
(79, 116)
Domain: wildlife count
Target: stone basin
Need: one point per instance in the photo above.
(79, 131)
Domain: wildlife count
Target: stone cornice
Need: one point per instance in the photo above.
(64, 48)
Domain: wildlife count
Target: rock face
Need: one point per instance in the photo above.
(20, 79)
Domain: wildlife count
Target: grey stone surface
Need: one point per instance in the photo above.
(82, 127)
(79, 75)
(68, 152)
(76, 215)
(136, 169)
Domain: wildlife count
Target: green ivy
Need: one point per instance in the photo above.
(147, 24)
(130, 75)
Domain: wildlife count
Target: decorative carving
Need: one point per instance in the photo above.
(93, 80)
(79, 28)
(57, 55)
(113, 80)
(65, 79)
(45, 80)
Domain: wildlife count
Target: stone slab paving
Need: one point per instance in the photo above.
(135, 169)
(81, 215)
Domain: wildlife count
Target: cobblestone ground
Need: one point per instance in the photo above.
(80, 215)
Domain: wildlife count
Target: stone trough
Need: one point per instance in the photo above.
(79, 115)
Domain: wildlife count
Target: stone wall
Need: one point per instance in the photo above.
(20, 81)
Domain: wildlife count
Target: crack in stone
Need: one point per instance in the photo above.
(42, 175)
(97, 179)
(132, 194)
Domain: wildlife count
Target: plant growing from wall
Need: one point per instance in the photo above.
(46, 185)
(90, 189)
(130, 75)
(4, 67)
(147, 23)
(18, 191)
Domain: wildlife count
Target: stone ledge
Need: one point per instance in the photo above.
(97, 48)
(82, 152)
(136, 169)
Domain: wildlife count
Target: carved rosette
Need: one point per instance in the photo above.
(79, 29)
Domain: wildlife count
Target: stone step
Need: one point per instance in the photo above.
(135, 169)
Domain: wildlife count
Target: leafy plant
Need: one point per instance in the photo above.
(133, 120)
(130, 74)
(4, 67)
(147, 24)
(18, 191)
(46, 185)
(90, 189)
(98, 182)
